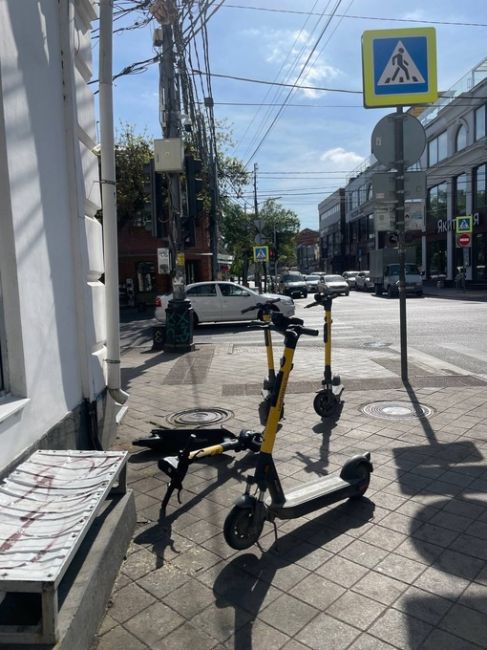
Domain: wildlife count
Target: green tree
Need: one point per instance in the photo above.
(132, 154)
(281, 227)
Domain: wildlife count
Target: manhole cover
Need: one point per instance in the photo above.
(199, 417)
(396, 410)
(376, 344)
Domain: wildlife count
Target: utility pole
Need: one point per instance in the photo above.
(258, 283)
(179, 315)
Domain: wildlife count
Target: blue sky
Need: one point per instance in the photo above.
(320, 137)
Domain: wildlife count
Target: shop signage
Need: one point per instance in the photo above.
(444, 225)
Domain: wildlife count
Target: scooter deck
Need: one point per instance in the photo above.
(313, 496)
(171, 441)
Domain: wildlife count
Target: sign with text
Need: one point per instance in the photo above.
(163, 261)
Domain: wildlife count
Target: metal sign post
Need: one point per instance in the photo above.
(401, 239)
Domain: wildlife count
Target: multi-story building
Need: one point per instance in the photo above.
(308, 250)
(455, 160)
(456, 163)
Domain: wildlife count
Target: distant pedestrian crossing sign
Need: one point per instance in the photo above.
(399, 67)
(261, 253)
(464, 225)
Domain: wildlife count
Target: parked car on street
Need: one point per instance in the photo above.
(223, 301)
(293, 284)
(335, 285)
(363, 281)
(312, 282)
(350, 277)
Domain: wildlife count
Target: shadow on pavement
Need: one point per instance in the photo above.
(449, 533)
(245, 581)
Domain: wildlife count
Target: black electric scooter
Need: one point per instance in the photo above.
(176, 467)
(244, 523)
(327, 401)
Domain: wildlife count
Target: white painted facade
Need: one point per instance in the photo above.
(52, 300)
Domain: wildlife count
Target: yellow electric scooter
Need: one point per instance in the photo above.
(244, 523)
(327, 401)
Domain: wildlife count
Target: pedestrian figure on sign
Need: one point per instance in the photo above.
(401, 65)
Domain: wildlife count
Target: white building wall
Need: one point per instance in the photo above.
(50, 244)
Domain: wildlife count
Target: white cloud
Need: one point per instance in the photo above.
(340, 158)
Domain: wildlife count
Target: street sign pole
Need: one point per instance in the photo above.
(401, 237)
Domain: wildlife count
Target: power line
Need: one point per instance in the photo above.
(357, 17)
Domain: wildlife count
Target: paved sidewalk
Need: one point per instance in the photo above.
(405, 567)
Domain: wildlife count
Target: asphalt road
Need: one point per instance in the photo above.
(451, 330)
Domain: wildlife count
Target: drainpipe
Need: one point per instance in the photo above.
(109, 203)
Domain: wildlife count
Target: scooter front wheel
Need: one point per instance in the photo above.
(325, 403)
(242, 529)
(363, 480)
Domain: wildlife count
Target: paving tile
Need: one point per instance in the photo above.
(317, 591)
(475, 597)
(356, 609)
(288, 614)
(221, 622)
(383, 537)
(185, 637)
(401, 568)
(257, 635)
(442, 584)
(153, 623)
(470, 546)
(163, 580)
(420, 551)
(423, 605)
(368, 642)
(190, 599)
(362, 553)
(118, 638)
(342, 571)
(441, 639)
(195, 560)
(338, 634)
(379, 587)
(128, 602)
(467, 624)
(139, 564)
(401, 630)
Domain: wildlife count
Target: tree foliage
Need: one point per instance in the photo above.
(132, 153)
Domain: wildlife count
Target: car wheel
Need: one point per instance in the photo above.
(196, 320)
(347, 293)
(305, 294)
(390, 292)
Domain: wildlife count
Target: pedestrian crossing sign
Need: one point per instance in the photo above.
(261, 253)
(399, 67)
(464, 225)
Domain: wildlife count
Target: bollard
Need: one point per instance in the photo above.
(179, 326)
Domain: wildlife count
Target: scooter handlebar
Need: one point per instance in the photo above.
(308, 331)
(311, 304)
(260, 305)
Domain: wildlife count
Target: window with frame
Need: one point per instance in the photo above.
(460, 195)
(437, 149)
(202, 290)
(480, 187)
(436, 205)
(461, 138)
(480, 121)
(232, 290)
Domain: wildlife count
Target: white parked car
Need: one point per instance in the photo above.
(223, 301)
(363, 281)
(312, 282)
(350, 277)
(335, 285)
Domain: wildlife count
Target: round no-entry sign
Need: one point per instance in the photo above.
(464, 240)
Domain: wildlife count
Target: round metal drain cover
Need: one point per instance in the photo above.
(396, 410)
(199, 417)
(376, 344)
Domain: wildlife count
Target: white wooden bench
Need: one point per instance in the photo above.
(47, 505)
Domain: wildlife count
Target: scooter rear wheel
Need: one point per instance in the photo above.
(241, 530)
(325, 403)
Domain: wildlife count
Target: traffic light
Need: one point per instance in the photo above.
(194, 186)
(272, 253)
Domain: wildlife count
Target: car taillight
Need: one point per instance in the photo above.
(158, 302)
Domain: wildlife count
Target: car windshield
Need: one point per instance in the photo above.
(292, 278)
(333, 278)
(313, 277)
(409, 269)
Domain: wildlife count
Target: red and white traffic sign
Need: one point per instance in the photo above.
(464, 240)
